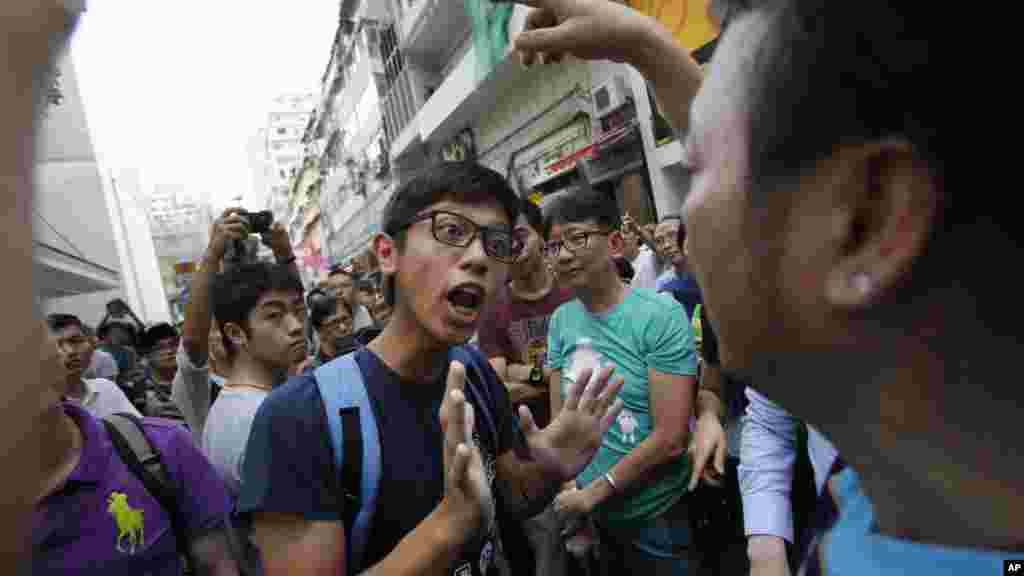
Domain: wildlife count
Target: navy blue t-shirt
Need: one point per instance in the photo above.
(289, 463)
(686, 291)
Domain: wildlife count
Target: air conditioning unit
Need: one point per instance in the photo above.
(610, 96)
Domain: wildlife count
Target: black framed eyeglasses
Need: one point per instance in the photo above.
(457, 230)
(572, 241)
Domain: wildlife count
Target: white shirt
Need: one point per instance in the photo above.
(645, 269)
(102, 398)
(767, 458)
(226, 432)
(362, 318)
(103, 366)
(192, 393)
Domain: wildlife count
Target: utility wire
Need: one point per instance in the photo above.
(59, 235)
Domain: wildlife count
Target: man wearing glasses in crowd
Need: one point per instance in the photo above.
(635, 485)
(454, 466)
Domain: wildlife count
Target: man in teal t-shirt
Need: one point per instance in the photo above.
(635, 483)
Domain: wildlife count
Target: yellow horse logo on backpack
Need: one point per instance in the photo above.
(129, 522)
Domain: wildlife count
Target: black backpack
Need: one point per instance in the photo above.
(145, 462)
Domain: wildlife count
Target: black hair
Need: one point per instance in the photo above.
(104, 330)
(157, 332)
(368, 281)
(580, 206)
(236, 292)
(465, 181)
(871, 67)
(58, 322)
(345, 269)
(832, 74)
(323, 305)
(723, 11)
(529, 210)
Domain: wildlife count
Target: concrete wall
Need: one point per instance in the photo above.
(531, 94)
(669, 181)
(141, 283)
(72, 215)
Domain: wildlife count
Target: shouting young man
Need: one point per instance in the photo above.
(454, 469)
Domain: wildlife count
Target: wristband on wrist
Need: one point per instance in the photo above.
(611, 481)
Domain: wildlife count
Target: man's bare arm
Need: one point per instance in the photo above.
(671, 399)
(290, 544)
(212, 555)
(596, 30)
(199, 314)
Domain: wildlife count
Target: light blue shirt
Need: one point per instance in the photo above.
(854, 547)
(767, 457)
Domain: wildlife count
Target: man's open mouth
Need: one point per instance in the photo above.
(466, 300)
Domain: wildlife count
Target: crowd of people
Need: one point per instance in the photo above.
(771, 381)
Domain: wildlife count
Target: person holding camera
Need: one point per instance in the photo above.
(203, 363)
(255, 343)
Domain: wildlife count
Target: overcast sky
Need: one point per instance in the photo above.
(177, 88)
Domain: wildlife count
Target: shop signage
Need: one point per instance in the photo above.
(183, 272)
(460, 147)
(553, 155)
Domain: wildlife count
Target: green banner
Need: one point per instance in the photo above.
(490, 33)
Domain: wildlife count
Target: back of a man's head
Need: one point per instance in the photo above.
(237, 291)
(464, 182)
(836, 73)
(828, 75)
(584, 205)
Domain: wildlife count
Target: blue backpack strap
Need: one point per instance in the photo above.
(356, 444)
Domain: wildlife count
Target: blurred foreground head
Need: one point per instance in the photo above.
(830, 253)
(32, 34)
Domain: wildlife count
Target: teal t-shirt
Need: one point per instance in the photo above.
(648, 331)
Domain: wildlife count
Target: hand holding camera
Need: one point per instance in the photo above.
(230, 237)
(278, 241)
(230, 227)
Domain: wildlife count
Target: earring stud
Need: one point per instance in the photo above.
(862, 283)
